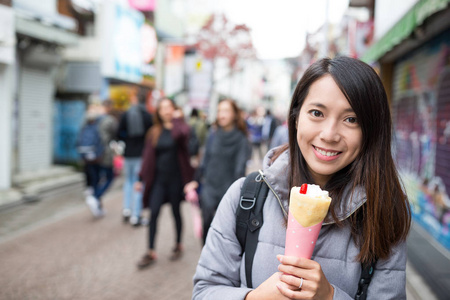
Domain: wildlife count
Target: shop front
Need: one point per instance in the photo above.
(7, 54)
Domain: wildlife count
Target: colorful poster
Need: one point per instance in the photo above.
(421, 115)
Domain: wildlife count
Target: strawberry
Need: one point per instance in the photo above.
(303, 188)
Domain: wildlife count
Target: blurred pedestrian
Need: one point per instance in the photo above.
(199, 125)
(133, 126)
(255, 124)
(91, 149)
(270, 123)
(340, 139)
(197, 138)
(165, 170)
(107, 128)
(280, 136)
(226, 154)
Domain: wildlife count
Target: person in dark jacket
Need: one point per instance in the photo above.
(107, 128)
(165, 170)
(133, 126)
(226, 153)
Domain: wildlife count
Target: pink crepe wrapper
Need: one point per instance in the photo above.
(300, 241)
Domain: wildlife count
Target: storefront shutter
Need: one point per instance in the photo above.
(35, 116)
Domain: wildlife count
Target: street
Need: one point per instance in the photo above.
(74, 256)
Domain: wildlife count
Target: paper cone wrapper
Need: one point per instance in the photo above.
(300, 241)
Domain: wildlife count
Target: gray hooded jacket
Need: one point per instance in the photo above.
(220, 272)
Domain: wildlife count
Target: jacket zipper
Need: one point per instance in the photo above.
(273, 191)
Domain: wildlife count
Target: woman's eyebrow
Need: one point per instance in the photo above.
(320, 105)
(349, 110)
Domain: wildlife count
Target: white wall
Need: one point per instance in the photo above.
(87, 49)
(5, 125)
(42, 6)
(388, 12)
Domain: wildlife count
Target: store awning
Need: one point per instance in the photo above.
(403, 28)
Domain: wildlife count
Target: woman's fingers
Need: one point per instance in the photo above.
(286, 291)
(314, 284)
(297, 272)
(294, 283)
(299, 262)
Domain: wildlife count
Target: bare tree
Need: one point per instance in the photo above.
(220, 38)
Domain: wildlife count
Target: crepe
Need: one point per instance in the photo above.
(311, 208)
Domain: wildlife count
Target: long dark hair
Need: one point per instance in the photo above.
(239, 121)
(385, 218)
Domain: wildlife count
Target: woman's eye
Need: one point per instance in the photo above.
(316, 113)
(352, 120)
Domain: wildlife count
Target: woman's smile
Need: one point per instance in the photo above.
(326, 154)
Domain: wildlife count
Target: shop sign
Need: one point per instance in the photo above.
(122, 51)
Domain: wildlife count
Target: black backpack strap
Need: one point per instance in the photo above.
(367, 271)
(249, 218)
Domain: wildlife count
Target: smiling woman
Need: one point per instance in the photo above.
(339, 138)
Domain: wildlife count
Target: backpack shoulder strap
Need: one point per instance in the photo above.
(249, 218)
(367, 271)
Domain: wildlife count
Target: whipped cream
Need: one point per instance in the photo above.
(315, 191)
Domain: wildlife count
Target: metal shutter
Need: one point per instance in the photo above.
(35, 116)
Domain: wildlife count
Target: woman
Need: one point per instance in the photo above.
(226, 154)
(339, 138)
(165, 170)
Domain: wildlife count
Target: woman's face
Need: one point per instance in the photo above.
(225, 115)
(166, 110)
(328, 132)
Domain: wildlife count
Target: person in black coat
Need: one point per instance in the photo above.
(133, 127)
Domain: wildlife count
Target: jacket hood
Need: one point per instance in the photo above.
(277, 174)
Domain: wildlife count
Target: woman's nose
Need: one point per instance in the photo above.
(330, 132)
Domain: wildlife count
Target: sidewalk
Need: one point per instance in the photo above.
(56, 250)
(73, 256)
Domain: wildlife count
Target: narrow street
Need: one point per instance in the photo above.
(70, 255)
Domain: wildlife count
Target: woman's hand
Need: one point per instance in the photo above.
(314, 286)
(190, 186)
(138, 186)
(268, 289)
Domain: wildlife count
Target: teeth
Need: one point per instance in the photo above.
(326, 153)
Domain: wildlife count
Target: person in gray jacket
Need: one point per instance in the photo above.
(226, 153)
(339, 138)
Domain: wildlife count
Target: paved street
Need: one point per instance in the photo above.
(54, 249)
(73, 256)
